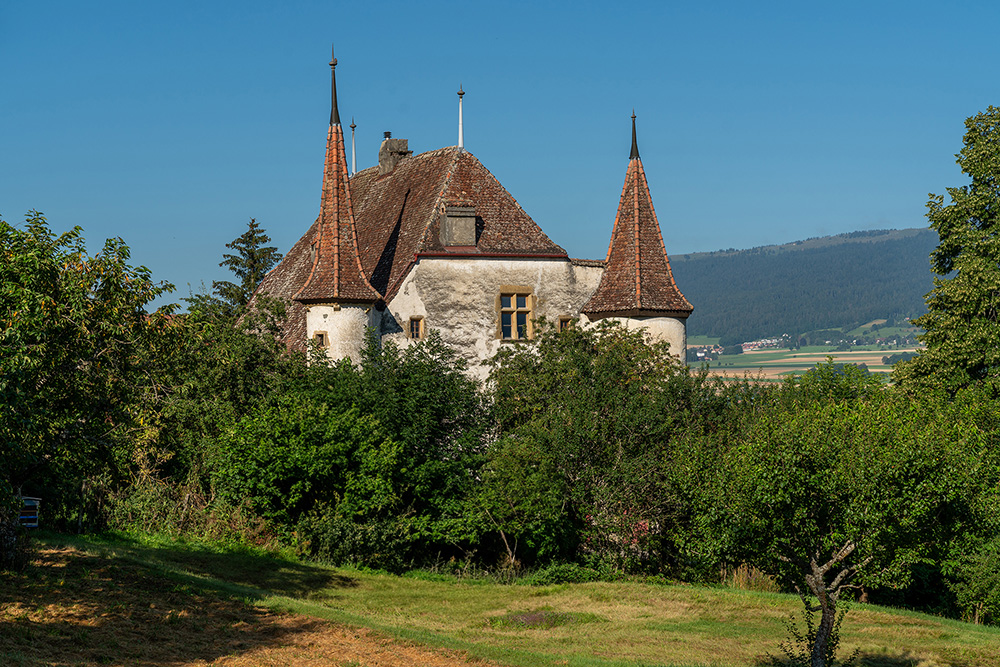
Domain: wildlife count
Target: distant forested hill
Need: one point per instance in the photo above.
(820, 283)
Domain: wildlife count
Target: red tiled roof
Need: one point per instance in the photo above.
(637, 278)
(397, 218)
(336, 272)
(398, 214)
(283, 281)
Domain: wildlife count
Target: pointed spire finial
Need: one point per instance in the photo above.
(354, 152)
(334, 112)
(635, 145)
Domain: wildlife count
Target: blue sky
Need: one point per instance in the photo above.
(171, 124)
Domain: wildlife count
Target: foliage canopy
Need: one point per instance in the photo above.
(73, 328)
(962, 327)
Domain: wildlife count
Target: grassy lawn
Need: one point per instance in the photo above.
(220, 593)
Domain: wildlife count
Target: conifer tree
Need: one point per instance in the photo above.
(962, 327)
(252, 261)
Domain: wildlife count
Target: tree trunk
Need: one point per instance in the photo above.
(827, 619)
(828, 595)
(828, 613)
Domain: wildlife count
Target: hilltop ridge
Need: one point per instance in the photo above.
(816, 283)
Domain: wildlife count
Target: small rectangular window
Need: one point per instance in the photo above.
(416, 328)
(320, 338)
(565, 322)
(515, 315)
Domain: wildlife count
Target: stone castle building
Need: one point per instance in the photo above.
(434, 241)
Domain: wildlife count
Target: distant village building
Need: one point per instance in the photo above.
(434, 241)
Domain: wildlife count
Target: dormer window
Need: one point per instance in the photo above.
(458, 225)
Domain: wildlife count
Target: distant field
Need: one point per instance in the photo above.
(701, 341)
(778, 364)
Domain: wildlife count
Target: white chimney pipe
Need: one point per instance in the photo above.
(461, 135)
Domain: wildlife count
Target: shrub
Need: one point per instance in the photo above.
(155, 506)
(975, 582)
(562, 573)
(286, 458)
(386, 544)
(748, 578)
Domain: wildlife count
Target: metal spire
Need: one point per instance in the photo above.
(354, 154)
(461, 134)
(635, 146)
(334, 112)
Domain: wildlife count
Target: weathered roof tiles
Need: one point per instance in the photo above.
(398, 214)
(336, 273)
(637, 279)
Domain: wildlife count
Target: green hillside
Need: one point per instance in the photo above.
(820, 283)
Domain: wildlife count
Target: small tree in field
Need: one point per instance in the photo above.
(828, 494)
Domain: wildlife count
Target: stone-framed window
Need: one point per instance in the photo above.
(515, 306)
(321, 339)
(416, 330)
(565, 322)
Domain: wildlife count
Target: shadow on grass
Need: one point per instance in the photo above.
(75, 608)
(258, 573)
(867, 659)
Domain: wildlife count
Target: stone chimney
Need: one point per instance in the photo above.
(391, 152)
(458, 224)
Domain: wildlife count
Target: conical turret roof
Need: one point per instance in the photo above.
(336, 273)
(637, 279)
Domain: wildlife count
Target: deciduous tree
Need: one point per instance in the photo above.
(840, 488)
(587, 417)
(71, 327)
(962, 326)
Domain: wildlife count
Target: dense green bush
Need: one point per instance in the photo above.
(562, 573)
(285, 458)
(383, 544)
(974, 579)
(587, 419)
(440, 419)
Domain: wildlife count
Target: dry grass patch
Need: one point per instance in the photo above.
(73, 608)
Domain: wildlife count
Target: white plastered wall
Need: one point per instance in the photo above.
(457, 297)
(345, 326)
(672, 330)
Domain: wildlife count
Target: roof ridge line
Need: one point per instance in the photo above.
(440, 195)
(659, 230)
(618, 215)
